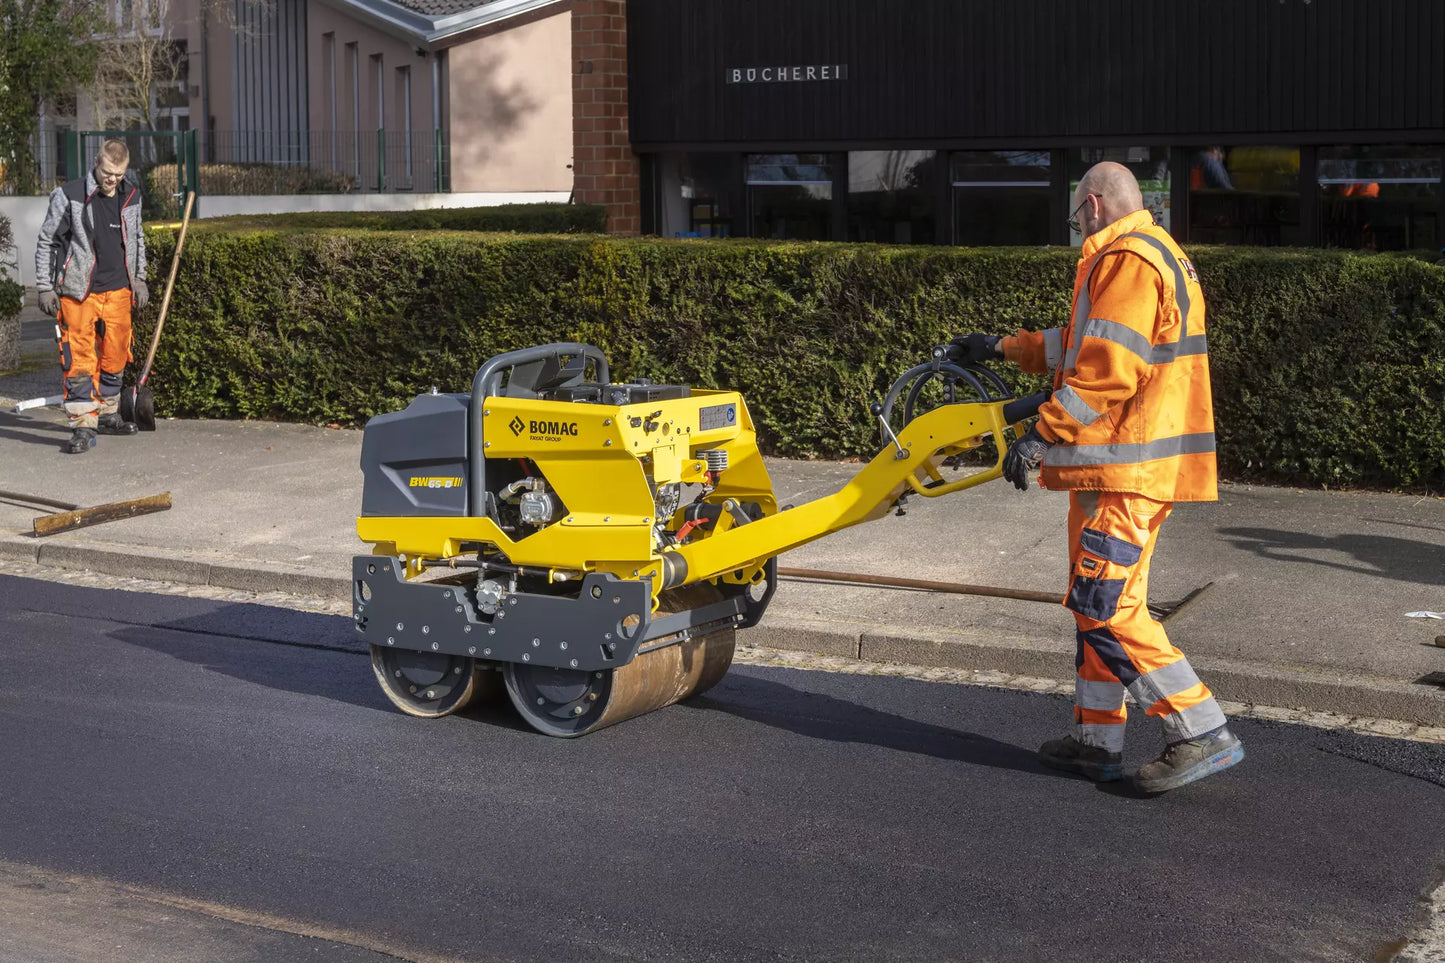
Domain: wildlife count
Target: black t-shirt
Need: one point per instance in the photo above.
(110, 274)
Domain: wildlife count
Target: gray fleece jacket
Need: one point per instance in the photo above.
(65, 250)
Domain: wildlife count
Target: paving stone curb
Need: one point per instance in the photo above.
(185, 568)
(1300, 690)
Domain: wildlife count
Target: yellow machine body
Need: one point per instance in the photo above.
(601, 474)
(604, 553)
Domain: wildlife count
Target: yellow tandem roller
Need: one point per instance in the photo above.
(604, 541)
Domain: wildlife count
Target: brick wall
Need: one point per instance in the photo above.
(604, 168)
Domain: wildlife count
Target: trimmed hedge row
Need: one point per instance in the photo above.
(251, 179)
(1328, 366)
(519, 218)
(12, 293)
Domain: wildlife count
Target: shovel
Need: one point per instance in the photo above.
(136, 402)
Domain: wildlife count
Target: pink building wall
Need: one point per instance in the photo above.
(506, 98)
(511, 108)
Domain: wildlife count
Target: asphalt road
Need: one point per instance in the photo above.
(243, 757)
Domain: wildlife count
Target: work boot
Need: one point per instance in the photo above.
(81, 441)
(1191, 759)
(1071, 755)
(114, 424)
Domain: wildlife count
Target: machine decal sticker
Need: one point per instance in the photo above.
(516, 424)
(551, 430)
(444, 481)
(717, 416)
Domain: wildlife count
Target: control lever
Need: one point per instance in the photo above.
(877, 409)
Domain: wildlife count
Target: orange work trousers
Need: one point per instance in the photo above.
(1120, 645)
(94, 350)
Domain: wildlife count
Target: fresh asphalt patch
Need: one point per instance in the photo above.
(163, 742)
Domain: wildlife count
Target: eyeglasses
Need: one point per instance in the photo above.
(1074, 224)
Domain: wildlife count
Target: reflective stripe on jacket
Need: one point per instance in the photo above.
(1132, 409)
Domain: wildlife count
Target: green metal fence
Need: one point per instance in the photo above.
(258, 162)
(325, 162)
(166, 160)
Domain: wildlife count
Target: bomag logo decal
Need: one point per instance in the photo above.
(444, 481)
(539, 430)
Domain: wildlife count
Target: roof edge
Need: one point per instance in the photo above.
(433, 33)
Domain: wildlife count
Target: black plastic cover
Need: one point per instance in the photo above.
(414, 462)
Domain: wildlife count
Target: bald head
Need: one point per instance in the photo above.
(1111, 192)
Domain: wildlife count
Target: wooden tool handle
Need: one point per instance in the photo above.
(64, 521)
(145, 371)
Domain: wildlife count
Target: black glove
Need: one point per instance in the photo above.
(49, 302)
(976, 347)
(1025, 455)
(142, 293)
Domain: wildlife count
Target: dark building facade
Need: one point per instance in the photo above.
(1306, 122)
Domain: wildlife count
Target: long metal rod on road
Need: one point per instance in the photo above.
(955, 588)
(37, 500)
(1158, 611)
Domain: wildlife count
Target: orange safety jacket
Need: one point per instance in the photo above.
(1131, 409)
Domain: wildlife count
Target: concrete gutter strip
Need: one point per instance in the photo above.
(187, 569)
(133, 561)
(265, 577)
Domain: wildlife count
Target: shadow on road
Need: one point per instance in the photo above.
(34, 432)
(820, 716)
(294, 655)
(309, 654)
(1400, 559)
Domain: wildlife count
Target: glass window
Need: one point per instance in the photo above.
(1381, 197)
(891, 196)
(1000, 196)
(1245, 195)
(790, 196)
(1150, 166)
(700, 194)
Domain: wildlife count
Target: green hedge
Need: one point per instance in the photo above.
(12, 294)
(1328, 366)
(521, 218)
(252, 179)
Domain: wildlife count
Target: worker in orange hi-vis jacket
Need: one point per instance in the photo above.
(1128, 432)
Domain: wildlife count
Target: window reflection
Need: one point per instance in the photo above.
(699, 194)
(1149, 165)
(1001, 197)
(790, 196)
(1380, 197)
(891, 196)
(1245, 195)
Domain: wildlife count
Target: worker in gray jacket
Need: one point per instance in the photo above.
(90, 268)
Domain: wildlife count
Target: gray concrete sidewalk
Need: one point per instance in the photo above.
(1305, 605)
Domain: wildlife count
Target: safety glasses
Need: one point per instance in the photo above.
(1074, 224)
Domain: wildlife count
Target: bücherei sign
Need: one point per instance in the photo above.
(786, 73)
